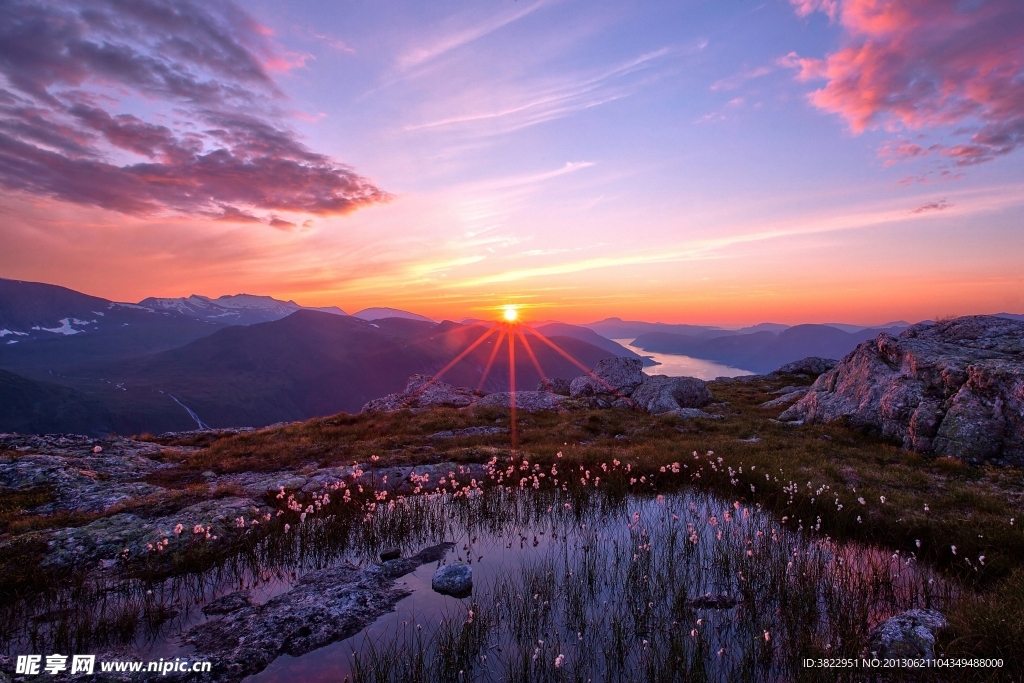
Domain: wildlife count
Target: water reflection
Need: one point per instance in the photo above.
(675, 365)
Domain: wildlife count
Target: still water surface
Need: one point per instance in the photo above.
(675, 365)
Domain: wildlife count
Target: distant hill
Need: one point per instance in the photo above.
(762, 351)
(46, 327)
(617, 328)
(234, 309)
(591, 337)
(378, 313)
(31, 407)
(307, 365)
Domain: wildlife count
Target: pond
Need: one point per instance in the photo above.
(676, 365)
(600, 579)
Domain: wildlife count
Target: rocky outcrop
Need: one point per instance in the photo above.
(660, 394)
(614, 383)
(953, 388)
(424, 391)
(811, 366)
(612, 376)
(526, 401)
(909, 635)
(323, 607)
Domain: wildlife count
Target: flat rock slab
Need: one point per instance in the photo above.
(323, 607)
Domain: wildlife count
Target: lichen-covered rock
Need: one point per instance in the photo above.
(424, 391)
(953, 388)
(81, 479)
(108, 537)
(909, 635)
(616, 376)
(526, 401)
(812, 365)
(660, 394)
(454, 579)
(556, 385)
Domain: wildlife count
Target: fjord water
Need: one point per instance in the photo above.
(676, 365)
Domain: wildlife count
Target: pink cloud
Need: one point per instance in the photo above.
(806, 7)
(925, 64)
(67, 63)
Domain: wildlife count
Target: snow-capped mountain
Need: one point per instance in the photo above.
(234, 309)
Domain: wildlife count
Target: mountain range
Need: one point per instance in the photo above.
(234, 309)
(71, 362)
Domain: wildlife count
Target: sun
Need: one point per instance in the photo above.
(511, 314)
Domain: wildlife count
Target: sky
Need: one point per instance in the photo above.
(718, 162)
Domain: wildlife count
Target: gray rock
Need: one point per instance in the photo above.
(228, 603)
(108, 537)
(323, 607)
(81, 479)
(390, 554)
(468, 431)
(909, 635)
(953, 388)
(660, 394)
(526, 401)
(454, 579)
(556, 385)
(785, 399)
(812, 365)
(616, 376)
(424, 391)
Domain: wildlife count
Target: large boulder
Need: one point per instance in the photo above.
(424, 391)
(614, 376)
(660, 394)
(953, 388)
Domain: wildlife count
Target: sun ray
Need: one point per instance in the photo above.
(586, 370)
(512, 388)
(437, 375)
(490, 361)
(533, 358)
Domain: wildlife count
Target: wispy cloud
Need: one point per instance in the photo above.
(463, 36)
(716, 247)
(546, 100)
